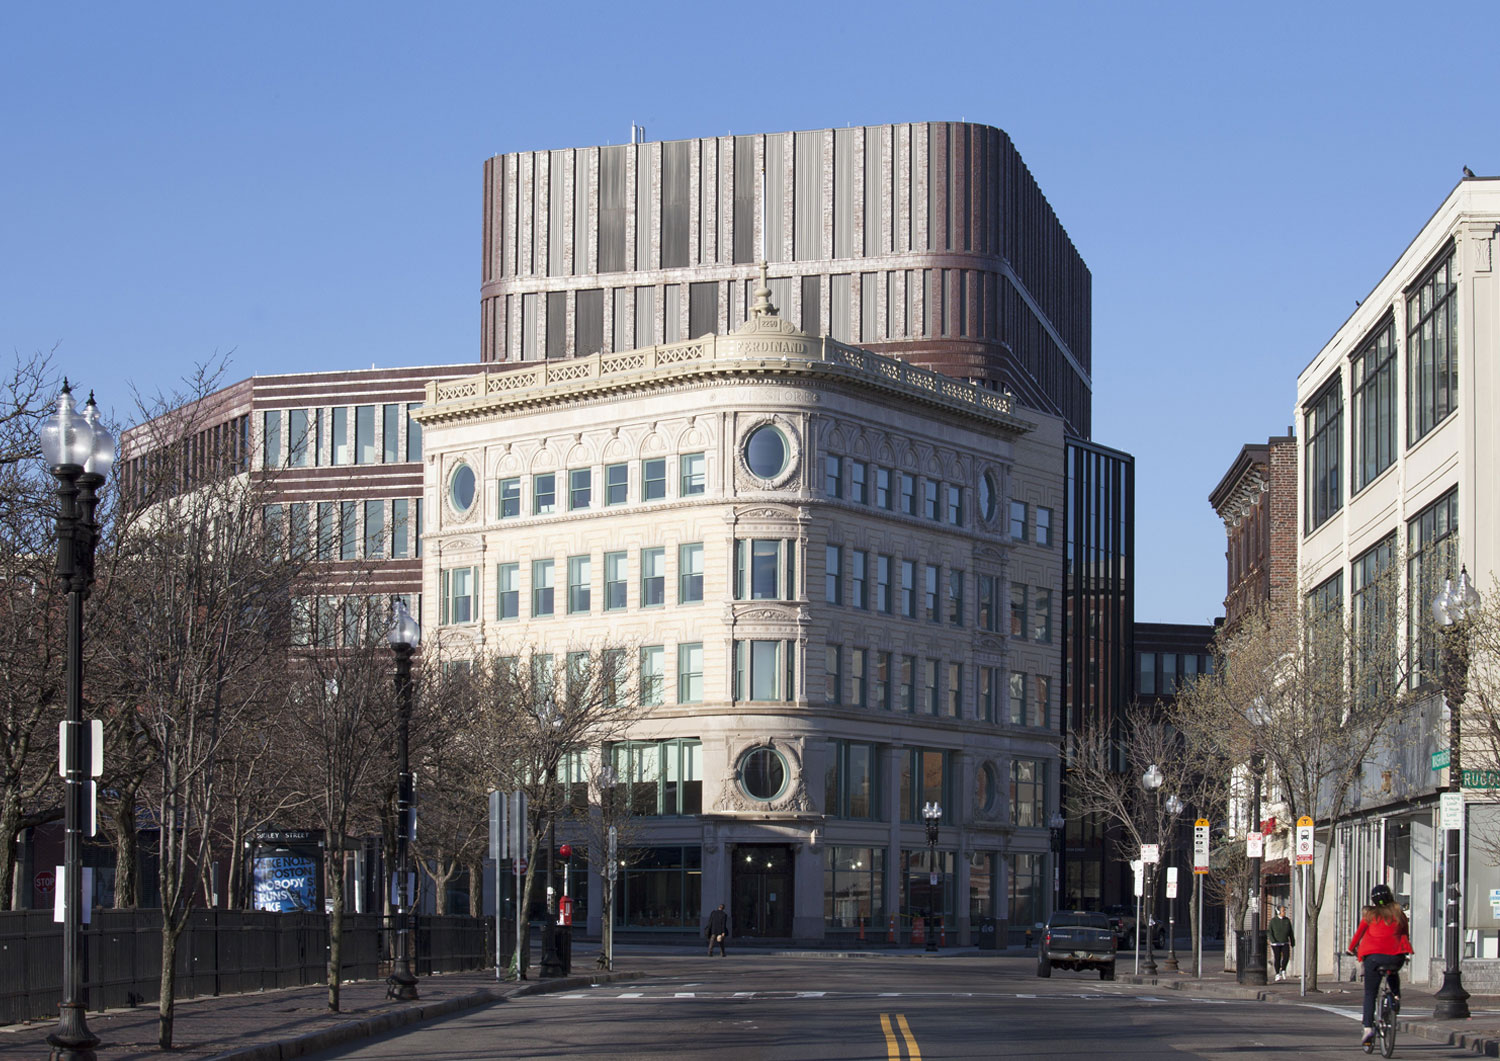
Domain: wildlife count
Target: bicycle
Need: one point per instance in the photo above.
(1387, 1006)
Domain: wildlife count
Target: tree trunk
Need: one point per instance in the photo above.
(1309, 940)
(167, 1007)
(10, 835)
(127, 853)
(335, 930)
(476, 887)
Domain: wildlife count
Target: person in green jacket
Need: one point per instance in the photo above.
(1282, 940)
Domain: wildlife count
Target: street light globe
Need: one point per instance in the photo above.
(404, 629)
(1174, 805)
(66, 437)
(1442, 604)
(102, 457)
(1152, 779)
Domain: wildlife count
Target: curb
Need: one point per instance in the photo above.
(364, 1028)
(1484, 1044)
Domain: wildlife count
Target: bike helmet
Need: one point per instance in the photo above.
(1380, 895)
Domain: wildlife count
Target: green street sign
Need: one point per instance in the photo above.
(1482, 779)
(1440, 759)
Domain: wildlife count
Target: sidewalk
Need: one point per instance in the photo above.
(286, 1023)
(1480, 1034)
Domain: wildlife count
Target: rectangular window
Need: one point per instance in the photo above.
(763, 569)
(690, 573)
(851, 782)
(413, 433)
(885, 600)
(833, 677)
(653, 577)
(955, 505)
(654, 479)
(987, 689)
(364, 434)
(1431, 557)
(508, 591)
(1018, 521)
(1323, 417)
(302, 437)
(1027, 793)
(616, 483)
(930, 491)
(374, 530)
(857, 677)
(1372, 386)
(390, 427)
(692, 474)
(271, 439)
(1018, 610)
(1041, 700)
(580, 583)
(989, 614)
(1431, 351)
(327, 538)
(930, 686)
(615, 580)
(458, 595)
(1026, 888)
(909, 589)
(542, 572)
(757, 670)
(955, 690)
(956, 598)
(883, 496)
(690, 673)
(1146, 662)
(930, 580)
(859, 485)
(1017, 715)
(510, 498)
(833, 575)
(880, 689)
(580, 488)
(1044, 526)
(653, 674)
(341, 450)
(1041, 617)
(859, 579)
(833, 477)
(909, 684)
(402, 530)
(543, 494)
(908, 494)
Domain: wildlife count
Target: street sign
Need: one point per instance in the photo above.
(1171, 882)
(1139, 868)
(520, 867)
(1440, 760)
(932, 879)
(45, 880)
(1200, 846)
(1304, 841)
(1151, 853)
(1481, 778)
(1451, 810)
(499, 834)
(1255, 844)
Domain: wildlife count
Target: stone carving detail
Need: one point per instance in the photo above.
(790, 477)
(794, 799)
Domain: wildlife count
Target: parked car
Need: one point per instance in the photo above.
(1123, 920)
(1077, 939)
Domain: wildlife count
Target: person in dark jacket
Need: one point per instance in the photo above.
(718, 931)
(1282, 939)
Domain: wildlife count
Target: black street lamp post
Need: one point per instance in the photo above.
(404, 637)
(1451, 608)
(932, 814)
(1174, 808)
(1255, 966)
(552, 963)
(79, 452)
(1151, 781)
(1057, 827)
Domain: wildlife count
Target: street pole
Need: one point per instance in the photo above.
(79, 453)
(1174, 808)
(932, 813)
(551, 962)
(1451, 610)
(1255, 967)
(404, 637)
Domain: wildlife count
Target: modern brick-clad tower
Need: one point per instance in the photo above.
(930, 242)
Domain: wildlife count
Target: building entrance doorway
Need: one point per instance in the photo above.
(761, 891)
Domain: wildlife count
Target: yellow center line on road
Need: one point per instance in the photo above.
(911, 1040)
(892, 1051)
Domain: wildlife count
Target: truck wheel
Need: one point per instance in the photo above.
(1107, 972)
(1043, 967)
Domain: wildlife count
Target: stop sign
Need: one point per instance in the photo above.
(520, 866)
(45, 880)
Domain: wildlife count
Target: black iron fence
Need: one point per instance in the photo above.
(221, 952)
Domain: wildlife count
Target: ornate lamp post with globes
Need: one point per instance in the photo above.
(932, 815)
(1174, 808)
(1151, 781)
(404, 637)
(1452, 608)
(79, 452)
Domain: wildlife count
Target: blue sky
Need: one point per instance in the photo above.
(297, 186)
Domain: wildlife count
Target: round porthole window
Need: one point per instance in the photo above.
(766, 452)
(989, 497)
(461, 488)
(763, 773)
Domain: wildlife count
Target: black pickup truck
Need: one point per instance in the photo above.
(1077, 939)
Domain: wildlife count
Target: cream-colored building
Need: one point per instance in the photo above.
(1396, 420)
(845, 572)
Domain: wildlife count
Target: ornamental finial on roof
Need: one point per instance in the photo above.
(762, 306)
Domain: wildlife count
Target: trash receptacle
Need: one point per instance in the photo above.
(565, 948)
(1242, 953)
(987, 938)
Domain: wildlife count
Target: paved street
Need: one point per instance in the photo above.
(766, 1007)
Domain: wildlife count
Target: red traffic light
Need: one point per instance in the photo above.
(566, 850)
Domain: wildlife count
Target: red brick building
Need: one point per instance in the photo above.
(1257, 500)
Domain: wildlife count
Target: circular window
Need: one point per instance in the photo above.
(766, 452)
(763, 773)
(985, 788)
(461, 488)
(989, 497)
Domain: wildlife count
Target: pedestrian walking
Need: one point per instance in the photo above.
(718, 931)
(1282, 939)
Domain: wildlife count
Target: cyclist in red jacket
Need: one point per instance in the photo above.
(1382, 941)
